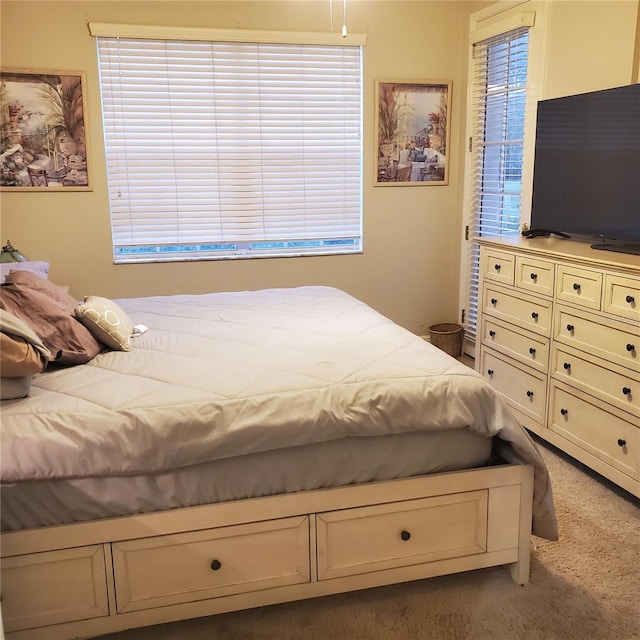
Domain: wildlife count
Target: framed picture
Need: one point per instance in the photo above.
(412, 133)
(43, 144)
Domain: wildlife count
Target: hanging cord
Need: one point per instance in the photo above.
(344, 18)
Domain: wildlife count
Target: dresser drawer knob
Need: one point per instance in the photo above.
(496, 267)
(576, 286)
(570, 328)
(564, 412)
(566, 366)
(631, 347)
(405, 535)
(216, 565)
(534, 276)
(492, 333)
(490, 372)
(622, 443)
(532, 351)
(494, 301)
(626, 391)
(529, 394)
(630, 299)
(534, 315)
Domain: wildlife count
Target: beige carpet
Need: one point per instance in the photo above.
(584, 587)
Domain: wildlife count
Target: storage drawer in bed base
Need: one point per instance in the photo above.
(493, 503)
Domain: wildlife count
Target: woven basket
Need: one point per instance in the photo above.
(448, 337)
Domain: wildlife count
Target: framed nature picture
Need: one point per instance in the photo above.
(43, 145)
(412, 133)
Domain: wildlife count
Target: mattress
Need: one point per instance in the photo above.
(221, 376)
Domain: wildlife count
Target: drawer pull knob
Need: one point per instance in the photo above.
(532, 351)
(631, 347)
(534, 315)
(494, 301)
(570, 327)
(496, 267)
(630, 299)
(492, 333)
(405, 535)
(490, 372)
(576, 286)
(622, 443)
(626, 391)
(566, 366)
(534, 276)
(564, 412)
(216, 565)
(529, 394)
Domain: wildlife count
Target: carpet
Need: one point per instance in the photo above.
(586, 586)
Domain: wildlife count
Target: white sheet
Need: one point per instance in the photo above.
(229, 374)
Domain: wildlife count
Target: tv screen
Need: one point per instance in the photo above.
(586, 177)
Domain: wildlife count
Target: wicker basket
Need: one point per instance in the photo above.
(448, 337)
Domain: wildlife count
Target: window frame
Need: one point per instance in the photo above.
(298, 244)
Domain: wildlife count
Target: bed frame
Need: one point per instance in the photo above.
(88, 579)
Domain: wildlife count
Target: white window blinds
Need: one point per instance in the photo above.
(231, 149)
(499, 97)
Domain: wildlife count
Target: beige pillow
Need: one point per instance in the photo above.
(106, 321)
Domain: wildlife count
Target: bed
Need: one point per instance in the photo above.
(250, 448)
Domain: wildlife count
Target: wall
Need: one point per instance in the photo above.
(409, 270)
(410, 233)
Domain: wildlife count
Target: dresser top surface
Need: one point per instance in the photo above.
(560, 248)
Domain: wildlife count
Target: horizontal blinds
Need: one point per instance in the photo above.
(499, 93)
(230, 149)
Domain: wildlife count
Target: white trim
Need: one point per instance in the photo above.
(526, 19)
(112, 30)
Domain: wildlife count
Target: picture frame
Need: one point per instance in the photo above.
(412, 133)
(43, 132)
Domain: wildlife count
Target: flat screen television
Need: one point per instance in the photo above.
(586, 179)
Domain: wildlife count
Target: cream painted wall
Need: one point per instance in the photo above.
(409, 270)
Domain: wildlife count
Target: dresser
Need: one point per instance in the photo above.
(559, 338)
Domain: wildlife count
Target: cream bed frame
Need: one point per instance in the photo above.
(88, 579)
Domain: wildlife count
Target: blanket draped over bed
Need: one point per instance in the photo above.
(226, 374)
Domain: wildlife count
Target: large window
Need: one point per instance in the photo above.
(219, 149)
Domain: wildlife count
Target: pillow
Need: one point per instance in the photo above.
(48, 309)
(41, 268)
(107, 322)
(12, 388)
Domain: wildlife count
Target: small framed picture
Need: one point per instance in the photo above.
(43, 140)
(412, 133)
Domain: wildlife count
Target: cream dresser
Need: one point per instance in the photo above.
(559, 338)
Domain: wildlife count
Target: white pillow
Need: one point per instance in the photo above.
(41, 268)
(108, 323)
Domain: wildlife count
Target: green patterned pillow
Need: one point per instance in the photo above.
(106, 321)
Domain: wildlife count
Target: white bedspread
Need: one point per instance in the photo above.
(226, 374)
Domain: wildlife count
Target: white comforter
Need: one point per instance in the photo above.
(225, 374)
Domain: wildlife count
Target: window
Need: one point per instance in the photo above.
(501, 104)
(231, 149)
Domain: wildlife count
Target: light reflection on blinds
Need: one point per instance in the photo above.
(227, 149)
(499, 94)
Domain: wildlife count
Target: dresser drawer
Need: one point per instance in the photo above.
(608, 436)
(617, 385)
(53, 587)
(525, 311)
(164, 570)
(402, 533)
(579, 286)
(524, 388)
(622, 296)
(608, 338)
(526, 347)
(535, 275)
(497, 266)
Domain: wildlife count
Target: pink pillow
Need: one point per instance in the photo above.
(48, 309)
